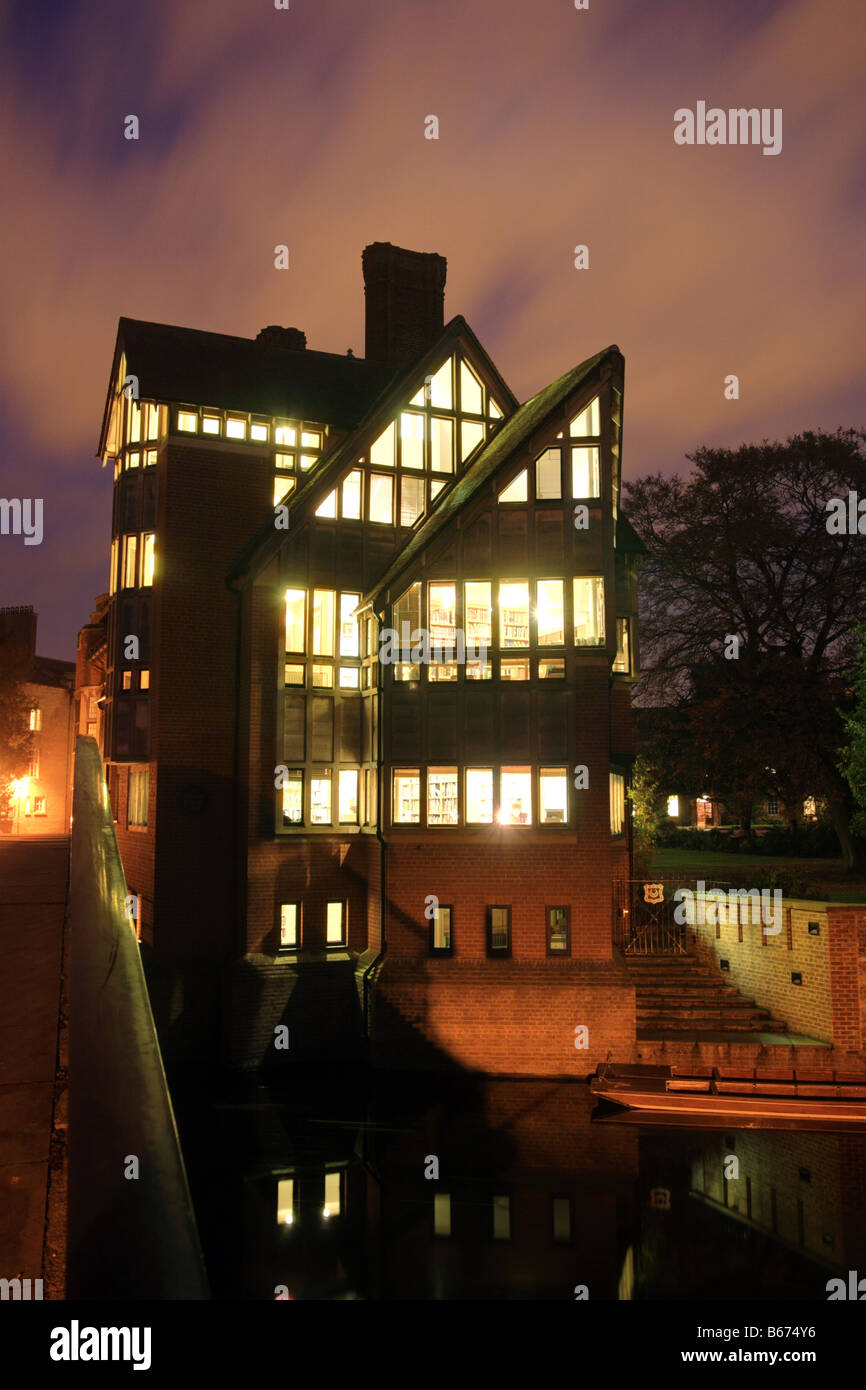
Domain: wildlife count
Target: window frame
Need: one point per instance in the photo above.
(448, 950)
(557, 907)
(289, 950)
(498, 952)
(342, 944)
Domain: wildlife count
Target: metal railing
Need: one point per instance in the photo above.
(131, 1226)
(644, 914)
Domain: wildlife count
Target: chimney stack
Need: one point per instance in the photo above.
(405, 301)
(274, 336)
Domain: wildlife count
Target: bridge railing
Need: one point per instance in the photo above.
(131, 1227)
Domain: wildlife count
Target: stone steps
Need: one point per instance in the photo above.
(679, 994)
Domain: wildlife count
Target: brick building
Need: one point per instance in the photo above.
(39, 802)
(369, 649)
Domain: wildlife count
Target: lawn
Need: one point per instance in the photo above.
(748, 870)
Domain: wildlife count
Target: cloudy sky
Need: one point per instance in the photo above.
(306, 127)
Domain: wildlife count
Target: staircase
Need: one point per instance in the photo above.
(680, 994)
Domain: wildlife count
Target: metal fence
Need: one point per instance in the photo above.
(132, 1230)
(645, 914)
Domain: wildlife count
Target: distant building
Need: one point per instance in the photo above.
(369, 649)
(39, 802)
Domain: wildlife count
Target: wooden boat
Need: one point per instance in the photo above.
(721, 1093)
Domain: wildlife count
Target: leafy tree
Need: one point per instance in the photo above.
(647, 796)
(749, 611)
(852, 762)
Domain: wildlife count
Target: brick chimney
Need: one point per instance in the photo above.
(18, 638)
(405, 301)
(274, 336)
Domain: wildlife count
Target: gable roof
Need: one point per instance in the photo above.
(191, 366)
(509, 437)
(320, 481)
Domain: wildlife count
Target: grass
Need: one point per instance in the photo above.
(827, 876)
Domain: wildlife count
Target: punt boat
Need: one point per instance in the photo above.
(734, 1093)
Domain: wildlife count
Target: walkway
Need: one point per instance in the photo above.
(33, 882)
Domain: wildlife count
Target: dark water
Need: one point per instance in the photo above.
(534, 1198)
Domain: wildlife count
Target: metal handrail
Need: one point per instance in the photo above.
(129, 1237)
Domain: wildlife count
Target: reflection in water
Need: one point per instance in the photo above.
(381, 1187)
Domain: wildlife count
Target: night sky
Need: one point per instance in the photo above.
(306, 127)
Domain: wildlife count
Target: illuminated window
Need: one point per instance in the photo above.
(139, 782)
(259, 433)
(493, 409)
(514, 669)
(551, 668)
(548, 475)
(478, 613)
(210, 424)
(441, 392)
(411, 500)
(351, 498)
(349, 677)
(623, 647)
(311, 439)
(589, 612)
(443, 618)
(126, 680)
(320, 797)
(284, 462)
(349, 636)
(294, 675)
(133, 422)
(324, 604)
(471, 435)
(289, 914)
(133, 459)
(584, 472)
(348, 796)
(407, 671)
(286, 434)
(617, 803)
(295, 620)
(407, 609)
(39, 807)
(150, 458)
(436, 486)
(550, 613)
(323, 677)
(333, 1184)
(501, 1218)
(335, 924)
(187, 420)
(442, 796)
(381, 499)
(151, 422)
(130, 562)
(470, 390)
(479, 796)
(35, 719)
(407, 796)
(478, 671)
(329, 506)
(553, 796)
(586, 425)
(516, 490)
(440, 931)
(282, 486)
(441, 1214)
(514, 614)
(499, 931)
(148, 559)
(144, 680)
(286, 1202)
(558, 931)
(33, 765)
(235, 428)
(515, 796)
(382, 452)
(673, 805)
(561, 1214)
(412, 440)
(293, 798)
(442, 445)
(307, 461)
(112, 568)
